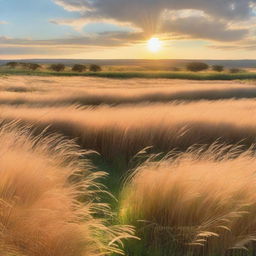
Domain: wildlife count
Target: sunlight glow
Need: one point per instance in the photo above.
(154, 44)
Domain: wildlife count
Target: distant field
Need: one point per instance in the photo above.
(140, 74)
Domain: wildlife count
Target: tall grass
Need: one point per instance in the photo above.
(119, 97)
(197, 203)
(121, 132)
(86, 83)
(194, 204)
(47, 199)
(57, 91)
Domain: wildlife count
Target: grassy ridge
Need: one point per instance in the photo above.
(139, 74)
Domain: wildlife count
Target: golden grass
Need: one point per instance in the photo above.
(39, 200)
(88, 91)
(200, 203)
(123, 131)
(85, 83)
(118, 97)
(203, 204)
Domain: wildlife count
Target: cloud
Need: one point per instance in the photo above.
(147, 14)
(79, 23)
(203, 28)
(225, 23)
(136, 11)
(10, 50)
(105, 39)
(73, 5)
(2, 22)
(245, 45)
(75, 45)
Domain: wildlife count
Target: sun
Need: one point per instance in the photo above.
(154, 44)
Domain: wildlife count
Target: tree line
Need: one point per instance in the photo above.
(200, 66)
(55, 67)
(192, 67)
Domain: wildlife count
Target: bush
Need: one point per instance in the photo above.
(217, 68)
(197, 66)
(31, 66)
(12, 64)
(78, 68)
(94, 68)
(34, 66)
(57, 67)
(23, 65)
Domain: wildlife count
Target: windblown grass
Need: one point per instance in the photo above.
(120, 97)
(42, 182)
(121, 132)
(193, 204)
(200, 203)
(88, 91)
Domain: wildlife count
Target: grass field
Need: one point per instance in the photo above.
(144, 167)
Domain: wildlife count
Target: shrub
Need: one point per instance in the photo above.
(78, 68)
(57, 67)
(12, 64)
(42, 181)
(217, 68)
(186, 204)
(94, 68)
(33, 66)
(197, 66)
(23, 64)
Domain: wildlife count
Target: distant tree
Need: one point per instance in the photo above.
(197, 66)
(34, 66)
(57, 67)
(12, 64)
(94, 68)
(31, 66)
(79, 68)
(235, 70)
(23, 64)
(217, 68)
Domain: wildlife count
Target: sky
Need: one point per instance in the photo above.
(120, 29)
